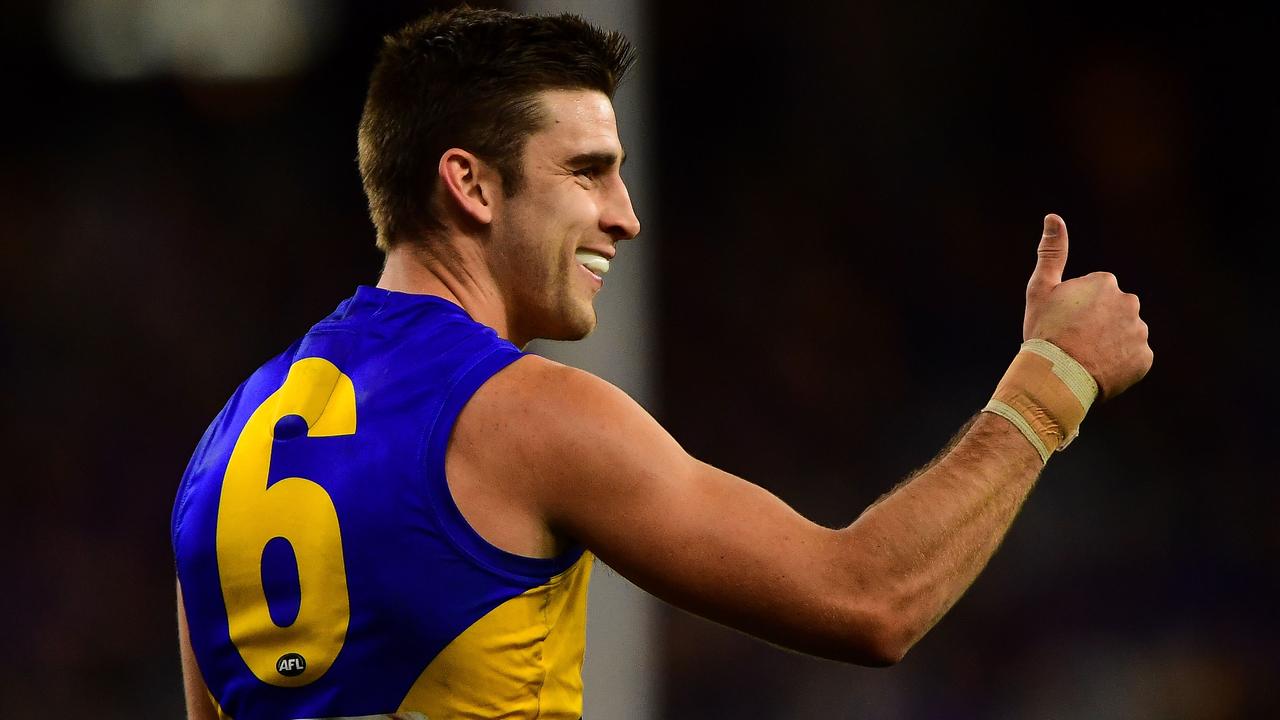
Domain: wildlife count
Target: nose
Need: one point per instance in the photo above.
(619, 218)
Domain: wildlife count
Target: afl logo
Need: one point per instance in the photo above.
(291, 665)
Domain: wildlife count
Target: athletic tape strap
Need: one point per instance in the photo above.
(1045, 394)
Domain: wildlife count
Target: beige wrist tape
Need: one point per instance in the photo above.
(1045, 394)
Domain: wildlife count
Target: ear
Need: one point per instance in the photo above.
(469, 184)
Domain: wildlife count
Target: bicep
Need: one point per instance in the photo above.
(692, 534)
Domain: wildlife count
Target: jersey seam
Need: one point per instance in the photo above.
(542, 647)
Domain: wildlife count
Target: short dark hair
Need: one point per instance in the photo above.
(469, 78)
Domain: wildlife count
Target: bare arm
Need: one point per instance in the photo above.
(597, 468)
(199, 706)
(937, 531)
(605, 473)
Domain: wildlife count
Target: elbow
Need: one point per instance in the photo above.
(876, 639)
(887, 643)
(887, 654)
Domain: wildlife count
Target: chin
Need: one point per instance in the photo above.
(574, 332)
(575, 325)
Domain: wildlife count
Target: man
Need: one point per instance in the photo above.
(399, 513)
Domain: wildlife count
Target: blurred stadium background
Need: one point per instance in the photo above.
(841, 203)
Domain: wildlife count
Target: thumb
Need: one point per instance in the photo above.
(1051, 257)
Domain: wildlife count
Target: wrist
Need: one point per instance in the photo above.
(1045, 393)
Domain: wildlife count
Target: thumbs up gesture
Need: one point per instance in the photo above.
(1089, 317)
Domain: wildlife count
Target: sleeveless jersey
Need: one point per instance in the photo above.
(325, 569)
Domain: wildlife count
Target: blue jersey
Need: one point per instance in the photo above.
(325, 569)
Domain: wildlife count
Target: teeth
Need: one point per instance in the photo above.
(593, 262)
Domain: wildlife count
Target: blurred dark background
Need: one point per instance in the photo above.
(850, 198)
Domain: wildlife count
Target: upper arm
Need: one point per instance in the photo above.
(602, 471)
(199, 705)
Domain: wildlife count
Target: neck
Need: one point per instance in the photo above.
(464, 281)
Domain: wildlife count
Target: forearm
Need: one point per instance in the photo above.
(920, 547)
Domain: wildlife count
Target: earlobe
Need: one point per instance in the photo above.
(465, 185)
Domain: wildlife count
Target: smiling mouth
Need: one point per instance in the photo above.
(594, 262)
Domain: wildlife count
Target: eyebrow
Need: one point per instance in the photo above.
(607, 159)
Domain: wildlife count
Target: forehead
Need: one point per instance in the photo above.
(577, 121)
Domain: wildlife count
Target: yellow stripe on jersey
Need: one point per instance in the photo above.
(217, 709)
(521, 660)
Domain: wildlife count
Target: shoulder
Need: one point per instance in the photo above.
(556, 432)
(526, 443)
(534, 402)
(548, 384)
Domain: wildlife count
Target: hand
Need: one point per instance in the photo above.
(1089, 317)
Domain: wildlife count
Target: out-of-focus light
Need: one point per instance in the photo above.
(206, 39)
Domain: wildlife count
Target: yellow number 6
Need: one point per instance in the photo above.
(250, 515)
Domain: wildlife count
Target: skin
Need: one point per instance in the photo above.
(512, 263)
(545, 453)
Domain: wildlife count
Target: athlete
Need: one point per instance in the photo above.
(398, 514)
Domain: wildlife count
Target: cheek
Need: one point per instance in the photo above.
(544, 231)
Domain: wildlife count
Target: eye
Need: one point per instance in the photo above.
(590, 173)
